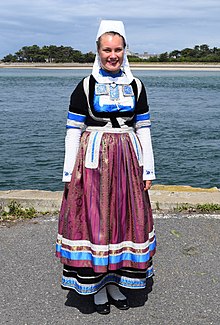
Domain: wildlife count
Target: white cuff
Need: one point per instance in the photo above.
(72, 141)
(144, 136)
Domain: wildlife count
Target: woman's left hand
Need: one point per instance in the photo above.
(147, 185)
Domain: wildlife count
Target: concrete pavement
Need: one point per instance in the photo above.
(187, 266)
(186, 283)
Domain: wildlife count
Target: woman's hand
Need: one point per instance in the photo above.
(147, 185)
(66, 189)
(67, 184)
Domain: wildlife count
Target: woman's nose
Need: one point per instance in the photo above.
(113, 54)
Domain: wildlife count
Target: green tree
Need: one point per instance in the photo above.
(204, 48)
(164, 57)
(174, 54)
(89, 57)
(186, 52)
(10, 58)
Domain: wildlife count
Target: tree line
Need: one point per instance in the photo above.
(200, 53)
(52, 53)
(66, 54)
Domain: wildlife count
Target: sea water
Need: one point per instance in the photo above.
(185, 114)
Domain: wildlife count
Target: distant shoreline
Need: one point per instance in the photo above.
(134, 66)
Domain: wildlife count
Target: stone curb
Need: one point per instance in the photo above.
(163, 198)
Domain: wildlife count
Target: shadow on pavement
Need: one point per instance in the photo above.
(85, 304)
(138, 298)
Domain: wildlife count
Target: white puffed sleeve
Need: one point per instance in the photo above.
(74, 125)
(142, 126)
(72, 141)
(144, 136)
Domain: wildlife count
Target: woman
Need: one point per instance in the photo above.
(106, 235)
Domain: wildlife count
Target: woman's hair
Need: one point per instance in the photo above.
(98, 43)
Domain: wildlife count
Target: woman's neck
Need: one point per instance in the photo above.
(106, 73)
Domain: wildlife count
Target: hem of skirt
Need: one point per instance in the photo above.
(99, 287)
(66, 288)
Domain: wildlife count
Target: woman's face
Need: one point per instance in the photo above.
(111, 52)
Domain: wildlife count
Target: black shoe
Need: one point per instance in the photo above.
(103, 309)
(120, 304)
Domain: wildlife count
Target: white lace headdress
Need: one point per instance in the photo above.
(127, 77)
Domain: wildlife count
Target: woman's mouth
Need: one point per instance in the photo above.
(113, 62)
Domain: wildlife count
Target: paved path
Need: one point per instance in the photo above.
(185, 291)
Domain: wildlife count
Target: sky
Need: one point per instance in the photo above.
(153, 26)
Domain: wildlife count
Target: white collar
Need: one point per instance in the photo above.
(125, 79)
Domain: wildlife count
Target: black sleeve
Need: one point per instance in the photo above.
(142, 104)
(78, 100)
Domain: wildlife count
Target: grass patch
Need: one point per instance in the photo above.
(200, 208)
(15, 211)
(157, 206)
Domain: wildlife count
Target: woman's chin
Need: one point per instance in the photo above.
(112, 68)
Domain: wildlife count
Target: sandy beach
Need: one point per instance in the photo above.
(134, 66)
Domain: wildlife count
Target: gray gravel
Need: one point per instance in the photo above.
(186, 283)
